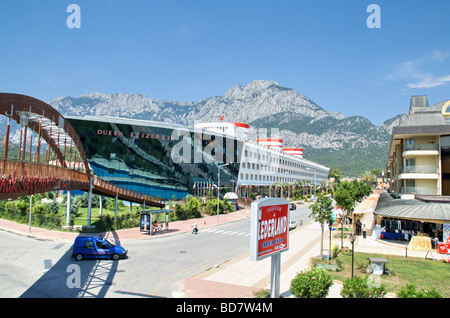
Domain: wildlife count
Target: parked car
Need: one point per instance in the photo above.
(292, 206)
(292, 224)
(96, 247)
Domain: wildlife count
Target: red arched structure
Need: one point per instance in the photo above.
(20, 176)
(43, 119)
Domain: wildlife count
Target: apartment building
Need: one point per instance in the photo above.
(419, 154)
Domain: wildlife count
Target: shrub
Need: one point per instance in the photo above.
(410, 292)
(41, 209)
(297, 194)
(359, 287)
(311, 284)
(211, 206)
(193, 206)
(22, 206)
(262, 293)
(181, 212)
(54, 207)
(335, 252)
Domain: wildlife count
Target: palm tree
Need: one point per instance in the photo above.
(369, 177)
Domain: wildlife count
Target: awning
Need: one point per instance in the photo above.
(412, 209)
(368, 205)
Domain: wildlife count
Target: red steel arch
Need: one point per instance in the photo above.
(15, 105)
(21, 177)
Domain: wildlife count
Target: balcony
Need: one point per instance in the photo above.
(419, 190)
(419, 172)
(420, 150)
(420, 147)
(419, 169)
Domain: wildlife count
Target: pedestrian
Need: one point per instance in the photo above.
(364, 231)
(194, 227)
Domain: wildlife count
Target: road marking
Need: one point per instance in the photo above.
(226, 232)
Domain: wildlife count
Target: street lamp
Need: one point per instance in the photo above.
(218, 188)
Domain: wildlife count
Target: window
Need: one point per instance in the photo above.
(446, 109)
(409, 144)
(410, 183)
(89, 244)
(410, 165)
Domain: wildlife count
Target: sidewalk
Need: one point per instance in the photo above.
(240, 277)
(175, 228)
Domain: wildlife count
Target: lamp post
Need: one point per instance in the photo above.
(218, 189)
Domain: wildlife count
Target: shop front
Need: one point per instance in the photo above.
(424, 225)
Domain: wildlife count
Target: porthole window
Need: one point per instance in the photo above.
(446, 111)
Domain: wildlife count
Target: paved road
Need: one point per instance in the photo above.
(24, 260)
(155, 268)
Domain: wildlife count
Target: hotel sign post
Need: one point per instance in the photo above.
(270, 235)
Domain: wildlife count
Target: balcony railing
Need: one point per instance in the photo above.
(419, 190)
(421, 147)
(419, 169)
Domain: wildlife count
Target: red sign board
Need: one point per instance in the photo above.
(270, 224)
(444, 248)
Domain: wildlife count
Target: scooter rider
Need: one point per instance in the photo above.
(194, 228)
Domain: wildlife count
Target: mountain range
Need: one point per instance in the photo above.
(352, 144)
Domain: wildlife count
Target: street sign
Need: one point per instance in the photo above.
(269, 227)
(270, 236)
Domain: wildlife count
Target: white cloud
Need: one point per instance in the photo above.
(412, 72)
(440, 56)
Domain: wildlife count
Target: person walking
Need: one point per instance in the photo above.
(364, 231)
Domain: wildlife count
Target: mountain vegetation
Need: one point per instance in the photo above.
(352, 144)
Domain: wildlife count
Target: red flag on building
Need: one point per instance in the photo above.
(221, 118)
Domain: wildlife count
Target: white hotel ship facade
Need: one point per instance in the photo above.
(265, 163)
(167, 160)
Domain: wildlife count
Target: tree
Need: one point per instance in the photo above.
(322, 212)
(369, 177)
(347, 195)
(336, 174)
(344, 196)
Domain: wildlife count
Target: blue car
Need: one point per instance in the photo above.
(95, 247)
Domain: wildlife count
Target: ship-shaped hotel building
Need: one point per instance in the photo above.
(171, 161)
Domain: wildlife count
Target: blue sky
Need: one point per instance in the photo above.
(195, 49)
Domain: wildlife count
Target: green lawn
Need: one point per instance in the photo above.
(402, 270)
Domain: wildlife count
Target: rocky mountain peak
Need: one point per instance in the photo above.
(262, 104)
